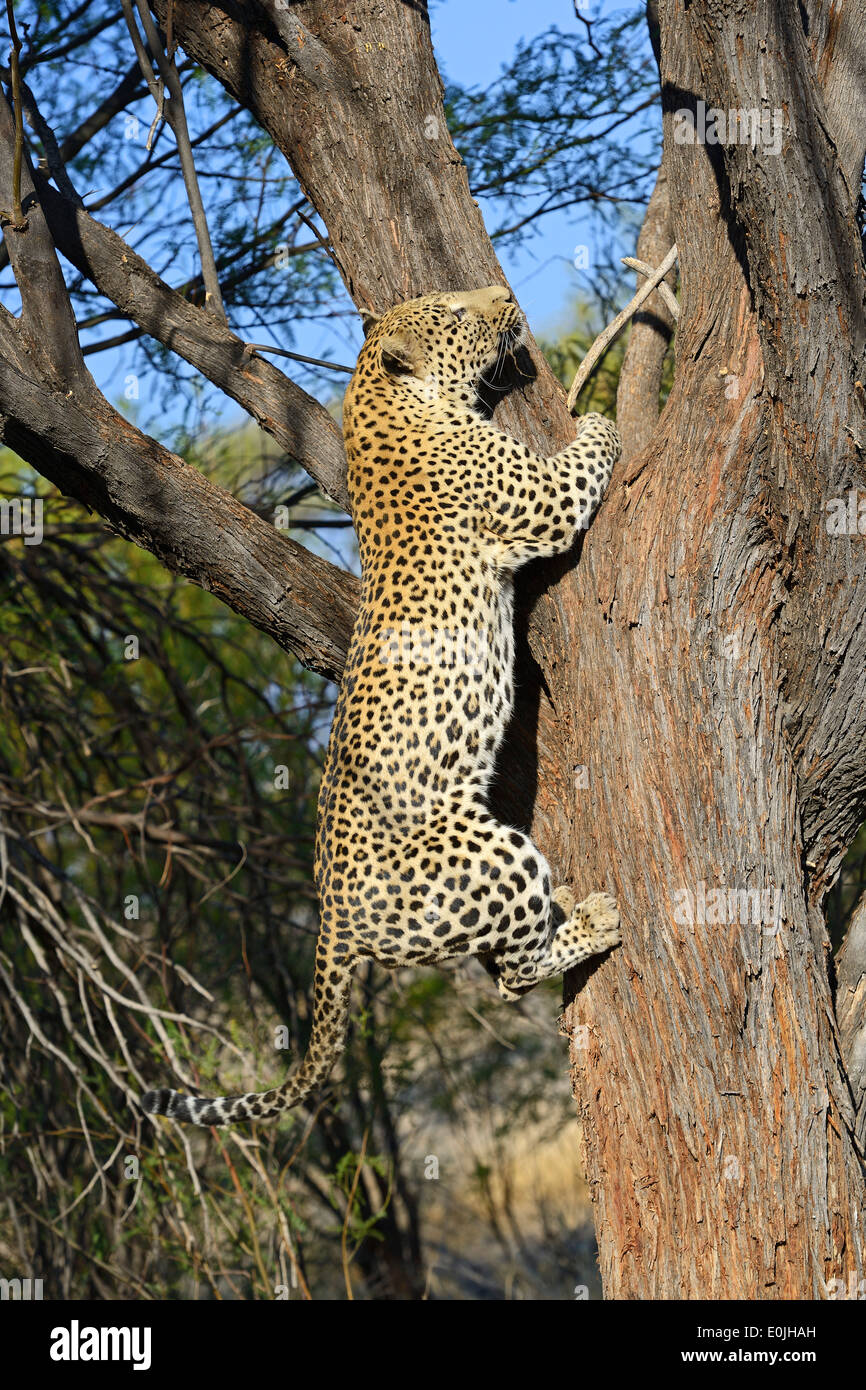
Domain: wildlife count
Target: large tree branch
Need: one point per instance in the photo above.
(46, 313)
(295, 419)
(153, 498)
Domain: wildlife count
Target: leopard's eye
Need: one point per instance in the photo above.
(459, 313)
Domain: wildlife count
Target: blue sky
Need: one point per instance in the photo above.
(472, 40)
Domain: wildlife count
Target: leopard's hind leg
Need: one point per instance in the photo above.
(578, 931)
(466, 885)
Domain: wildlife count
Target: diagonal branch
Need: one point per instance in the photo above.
(296, 420)
(613, 330)
(151, 497)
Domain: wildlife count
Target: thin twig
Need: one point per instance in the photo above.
(613, 330)
(144, 61)
(250, 348)
(176, 116)
(65, 1239)
(325, 244)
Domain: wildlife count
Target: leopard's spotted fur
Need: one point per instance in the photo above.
(411, 867)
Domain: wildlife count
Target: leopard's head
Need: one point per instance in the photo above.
(441, 345)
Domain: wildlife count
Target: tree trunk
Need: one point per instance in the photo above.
(640, 378)
(728, 750)
(692, 709)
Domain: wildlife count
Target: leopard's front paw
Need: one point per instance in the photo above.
(564, 899)
(597, 429)
(602, 920)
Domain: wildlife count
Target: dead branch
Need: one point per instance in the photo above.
(613, 330)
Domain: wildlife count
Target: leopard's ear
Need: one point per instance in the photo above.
(368, 320)
(401, 353)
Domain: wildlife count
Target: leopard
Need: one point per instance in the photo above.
(412, 868)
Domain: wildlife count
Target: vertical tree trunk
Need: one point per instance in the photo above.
(718, 701)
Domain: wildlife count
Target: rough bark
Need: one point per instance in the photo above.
(717, 1110)
(704, 660)
(851, 1012)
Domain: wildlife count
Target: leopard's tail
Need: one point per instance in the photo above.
(333, 983)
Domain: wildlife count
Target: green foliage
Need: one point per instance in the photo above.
(566, 352)
(569, 121)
